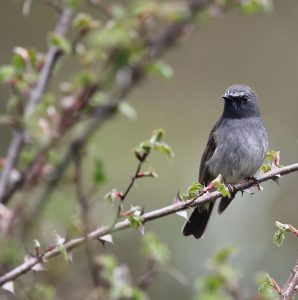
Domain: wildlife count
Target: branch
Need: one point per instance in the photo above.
(83, 201)
(133, 75)
(146, 217)
(17, 143)
(141, 159)
(290, 287)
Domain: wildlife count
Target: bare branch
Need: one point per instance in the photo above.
(146, 217)
(85, 219)
(16, 145)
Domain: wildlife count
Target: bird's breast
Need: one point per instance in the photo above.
(241, 147)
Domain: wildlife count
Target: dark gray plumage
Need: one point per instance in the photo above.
(236, 149)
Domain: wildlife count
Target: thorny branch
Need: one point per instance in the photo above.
(291, 286)
(149, 216)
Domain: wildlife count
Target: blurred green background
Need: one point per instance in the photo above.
(260, 50)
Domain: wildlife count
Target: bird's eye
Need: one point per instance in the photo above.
(244, 99)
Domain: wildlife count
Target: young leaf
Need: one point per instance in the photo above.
(159, 67)
(60, 42)
(153, 248)
(84, 21)
(220, 257)
(113, 195)
(163, 148)
(60, 245)
(279, 235)
(220, 186)
(265, 289)
(99, 174)
(157, 136)
(127, 110)
(135, 218)
(7, 73)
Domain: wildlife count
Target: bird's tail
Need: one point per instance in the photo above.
(198, 221)
(224, 203)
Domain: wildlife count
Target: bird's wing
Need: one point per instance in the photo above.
(204, 175)
(196, 225)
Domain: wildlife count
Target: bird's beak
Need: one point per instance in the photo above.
(226, 97)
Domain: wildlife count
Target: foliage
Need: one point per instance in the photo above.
(111, 47)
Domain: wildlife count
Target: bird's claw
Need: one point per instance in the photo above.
(232, 190)
(255, 182)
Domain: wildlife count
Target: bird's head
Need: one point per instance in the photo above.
(240, 102)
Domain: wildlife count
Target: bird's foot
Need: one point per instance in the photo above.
(232, 190)
(255, 182)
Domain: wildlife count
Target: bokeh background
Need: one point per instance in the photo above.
(260, 50)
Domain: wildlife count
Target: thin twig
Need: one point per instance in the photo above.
(151, 271)
(85, 219)
(146, 217)
(55, 4)
(17, 143)
(129, 187)
(134, 74)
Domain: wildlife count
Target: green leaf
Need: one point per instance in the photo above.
(265, 168)
(19, 63)
(265, 289)
(157, 135)
(33, 57)
(192, 191)
(60, 241)
(127, 110)
(99, 175)
(85, 78)
(279, 235)
(135, 221)
(155, 143)
(270, 155)
(211, 283)
(283, 227)
(163, 148)
(135, 218)
(253, 6)
(154, 249)
(84, 21)
(108, 263)
(222, 188)
(138, 294)
(60, 42)
(40, 291)
(159, 67)
(72, 3)
(220, 257)
(7, 73)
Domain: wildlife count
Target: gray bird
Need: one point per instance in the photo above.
(236, 149)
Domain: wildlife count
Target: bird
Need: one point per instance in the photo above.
(236, 149)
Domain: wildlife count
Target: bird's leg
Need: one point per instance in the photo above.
(232, 190)
(255, 182)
